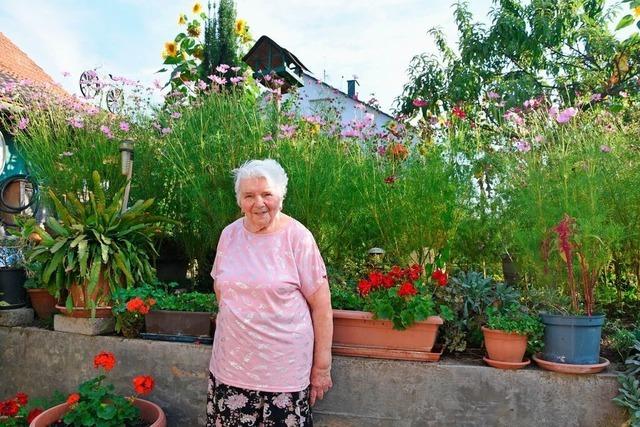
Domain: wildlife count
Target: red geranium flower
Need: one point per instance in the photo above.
(396, 272)
(22, 399)
(387, 281)
(415, 271)
(407, 289)
(364, 287)
(375, 277)
(440, 276)
(34, 413)
(143, 384)
(137, 305)
(73, 398)
(418, 102)
(104, 359)
(9, 408)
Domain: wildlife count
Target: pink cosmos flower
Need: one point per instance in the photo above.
(350, 133)
(219, 80)
(565, 115)
(605, 148)
(596, 97)
(493, 95)
(418, 102)
(166, 131)
(124, 126)
(222, 68)
(523, 146)
(22, 124)
(176, 115)
(106, 131)
(235, 69)
(76, 122)
(267, 138)
(201, 85)
(236, 80)
(287, 131)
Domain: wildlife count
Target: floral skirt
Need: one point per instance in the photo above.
(229, 406)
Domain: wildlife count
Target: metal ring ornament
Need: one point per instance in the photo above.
(4, 207)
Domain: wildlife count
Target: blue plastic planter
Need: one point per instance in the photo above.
(572, 339)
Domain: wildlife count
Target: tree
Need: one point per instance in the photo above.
(220, 38)
(553, 48)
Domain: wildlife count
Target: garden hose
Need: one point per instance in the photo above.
(4, 206)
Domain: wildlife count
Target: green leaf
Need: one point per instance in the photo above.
(53, 264)
(106, 412)
(625, 22)
(57, 227)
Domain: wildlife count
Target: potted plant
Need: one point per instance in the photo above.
(18, 411)
(92, 248)
(574, 338)
(506, 335)
(12, 273)
(97, 403)
(182, 313)
(43, 300)
(399, 316)
(129, 309)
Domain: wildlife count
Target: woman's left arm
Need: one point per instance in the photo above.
(322, 317)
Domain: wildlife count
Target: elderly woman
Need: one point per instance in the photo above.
(271, 355)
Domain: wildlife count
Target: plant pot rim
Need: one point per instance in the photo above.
(575, 316)
(182, 311)
(367, 315)
(501, 331)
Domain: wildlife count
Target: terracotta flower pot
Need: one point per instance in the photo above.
(101, 296)
(149, 412)
(196, 323)
(42, 302)
(504, 346)
(358, 328)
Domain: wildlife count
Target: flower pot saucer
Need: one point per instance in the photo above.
(566, 368)
(506, 365)
(83, 312)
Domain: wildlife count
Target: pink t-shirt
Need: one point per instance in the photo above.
(264, 333)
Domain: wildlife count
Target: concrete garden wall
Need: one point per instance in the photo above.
(367, 392)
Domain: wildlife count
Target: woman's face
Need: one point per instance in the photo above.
(259, 202)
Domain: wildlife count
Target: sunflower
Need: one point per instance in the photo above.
(241, 27)
(182, 19)
(194, 29)
(636, 11)
(197, 7)
(170, 49)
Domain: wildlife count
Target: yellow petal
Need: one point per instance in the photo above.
(197, 8)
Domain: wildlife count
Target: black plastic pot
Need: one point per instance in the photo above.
(12, 292)
(572, 339)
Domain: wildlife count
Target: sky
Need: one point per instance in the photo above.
(336, 39)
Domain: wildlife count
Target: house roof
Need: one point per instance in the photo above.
(346, 95)
(16, 66)
(265, 39)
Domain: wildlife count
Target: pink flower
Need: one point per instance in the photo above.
(267, 138)
(287, 131)
(596, 97)
(219, 80)
(124, 126)
(176, 115)
(512, 116)
(605, 148)
(267, 78)
(418, 102)
(66, 74)
(350, 133)
(22, 124)
(493, 95)
(236, 80)
(523, 146)
(222, 68)
(106, 131)
(553, 112)
(201, 85)
(235, 69)
(166, 131)
(157, 84)
(76, 122)
(565, 115)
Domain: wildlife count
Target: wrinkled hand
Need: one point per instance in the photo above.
(320, 383)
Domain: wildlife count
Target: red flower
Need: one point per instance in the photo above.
(73, 399)
(387, 281)
(9, 408)
(398, 151)
(104, 359)
(22, 399)
(415, 271)
(418, 102)
(364, 287)
(440, 276)
(396, 272)
(34, 413)
(137, 305)
(375, 277)
(458, 112)
(390, 179)
(143, 384)
(407, 289)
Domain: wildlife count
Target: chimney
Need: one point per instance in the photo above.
(351, 87)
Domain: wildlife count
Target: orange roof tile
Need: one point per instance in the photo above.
(16, 66)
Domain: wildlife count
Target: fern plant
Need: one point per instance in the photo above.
(91, 238)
